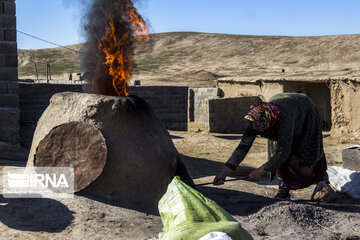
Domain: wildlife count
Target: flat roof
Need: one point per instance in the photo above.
(256, 80)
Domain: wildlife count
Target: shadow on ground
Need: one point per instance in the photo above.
(148, 209)
(237, 202)
(244, 203)
(36, 214)
(175, 137)
(202, 167)
(227, 137)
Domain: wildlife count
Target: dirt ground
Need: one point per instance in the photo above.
(203, 154)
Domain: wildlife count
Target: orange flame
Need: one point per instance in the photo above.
(138, 24)
(118, 56)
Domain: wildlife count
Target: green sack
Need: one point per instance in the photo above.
(186, 214)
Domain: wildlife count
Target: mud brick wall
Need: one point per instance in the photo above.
(345, 111)
(9, 99)
(198, 104)
(170, 104)
(226, 115)
(34, 99)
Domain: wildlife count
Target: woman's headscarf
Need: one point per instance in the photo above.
(263, 115)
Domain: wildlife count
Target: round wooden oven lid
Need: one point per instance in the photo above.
(75, 144)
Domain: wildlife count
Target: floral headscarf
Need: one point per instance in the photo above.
(263, 115)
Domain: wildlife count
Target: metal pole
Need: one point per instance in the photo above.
(230, 180)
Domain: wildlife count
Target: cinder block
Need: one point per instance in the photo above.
(8, 74)
(37, 102)
(9, 128)
(9, 8)
(25, 118)
(8, 87)
(25, 93)
(9, 101)
(7, 148)
(25, 114)
(26, 134)
(2, 61)
(8, 48)
(13, 86)
(40, 108)
(37, 115)
(9, 134)
(7, 21)
(10, 35)
(3, 87)
(351, 157)
(2, 34)
(11, 61)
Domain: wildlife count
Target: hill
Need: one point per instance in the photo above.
(61, 61)
(198, 59)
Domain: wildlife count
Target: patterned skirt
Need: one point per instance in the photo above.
(296, 175)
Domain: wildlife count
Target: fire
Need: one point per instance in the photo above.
(138, 24)
(116, 46)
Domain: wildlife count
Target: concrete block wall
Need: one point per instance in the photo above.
(169, 103)
(198, 103)
(351, 158)
(34, 99)
(9, 99)
(226, 115)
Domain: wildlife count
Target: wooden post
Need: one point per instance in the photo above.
(48, 73)
(36, 70)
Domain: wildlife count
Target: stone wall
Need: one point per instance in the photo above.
(9, 99)
(226, 115)
(170, 104)
(198, 103)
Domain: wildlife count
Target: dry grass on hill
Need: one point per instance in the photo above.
(198, 59)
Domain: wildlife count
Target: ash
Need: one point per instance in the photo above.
(293, 213)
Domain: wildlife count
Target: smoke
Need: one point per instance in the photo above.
(99, 15)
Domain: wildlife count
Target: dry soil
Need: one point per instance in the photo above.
(204, 154)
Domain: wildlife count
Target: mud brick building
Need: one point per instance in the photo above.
(337, 99)
(9, 98)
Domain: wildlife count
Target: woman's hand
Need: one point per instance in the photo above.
(257, 174)
(220, 177)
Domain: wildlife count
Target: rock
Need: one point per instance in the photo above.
(141, 159)
(351, 158)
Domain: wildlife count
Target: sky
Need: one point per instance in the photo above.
(59, 22)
